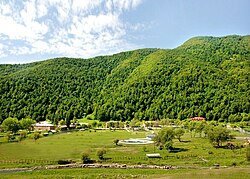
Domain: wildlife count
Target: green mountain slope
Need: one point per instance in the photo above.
(206, 76)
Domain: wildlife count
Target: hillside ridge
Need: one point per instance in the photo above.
(205, 76)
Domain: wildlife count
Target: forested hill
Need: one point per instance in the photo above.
(206, 76)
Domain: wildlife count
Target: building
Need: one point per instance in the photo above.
(44, 126)
(198, 119)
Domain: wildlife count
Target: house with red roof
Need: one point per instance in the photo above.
(198, 119)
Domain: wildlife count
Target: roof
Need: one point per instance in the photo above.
(198, 118)
(44, 124)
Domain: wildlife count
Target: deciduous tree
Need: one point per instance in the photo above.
(165, 138)
(11, 124)
(217, 135)
(26, 123)
(179, 132)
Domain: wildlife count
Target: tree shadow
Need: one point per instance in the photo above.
(177, 150)
(186, 141)
(228, 146)
(89, 161)
(106, 158)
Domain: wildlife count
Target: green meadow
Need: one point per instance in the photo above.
(195, 151)
(227, 173)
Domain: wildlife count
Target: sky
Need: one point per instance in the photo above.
(33, 30)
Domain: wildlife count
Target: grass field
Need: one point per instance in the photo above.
(227, 173)
(48, 150)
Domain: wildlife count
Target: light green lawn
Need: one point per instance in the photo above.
(48, 150)
(227, 173)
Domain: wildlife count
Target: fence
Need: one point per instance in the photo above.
(113, 159)
(28, 161)
(144, 158)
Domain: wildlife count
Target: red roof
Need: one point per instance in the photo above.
(198, 118)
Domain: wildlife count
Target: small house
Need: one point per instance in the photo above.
(198, 119)
(44, 126)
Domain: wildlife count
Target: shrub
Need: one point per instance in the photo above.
(8, 136)
(116, 141)
(11, 124)
(23, 135)
(36, 135)
(86, 158)
(100, 154)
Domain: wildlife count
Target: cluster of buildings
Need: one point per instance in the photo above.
(47, 126)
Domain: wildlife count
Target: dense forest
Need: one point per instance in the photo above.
(206, 76)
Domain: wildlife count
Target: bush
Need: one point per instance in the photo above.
(100, 154)
(36, 135)
(11, 124)
(86, 158)
(116, 141)
(8, 136)
(23, 135)
(78, 127)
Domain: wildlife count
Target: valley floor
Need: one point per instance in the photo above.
(197, 152)
(227, 173)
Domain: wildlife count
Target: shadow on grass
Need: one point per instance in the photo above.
(89, 161)
(177, 150)
(107, 158)
(186, 141)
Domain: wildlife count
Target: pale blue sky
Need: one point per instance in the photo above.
(34, 30)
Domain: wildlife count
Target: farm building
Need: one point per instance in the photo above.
(198, 119)
(44, 125)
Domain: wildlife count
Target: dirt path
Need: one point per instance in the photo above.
(121, 166)
(243, 138)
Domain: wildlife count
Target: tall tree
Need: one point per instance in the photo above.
(26, 123)
(179, 132)
(217, 135)
(11, 124)
(164, 138)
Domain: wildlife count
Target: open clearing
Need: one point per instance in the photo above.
(194, 151)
